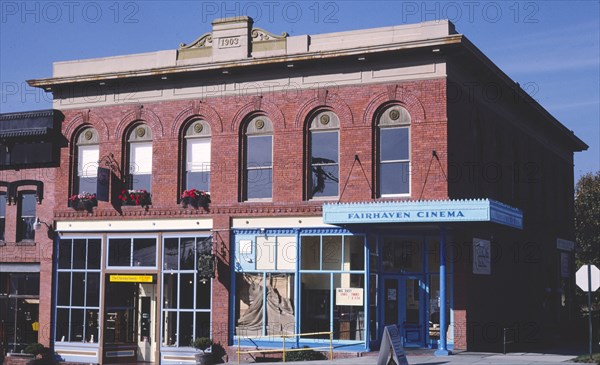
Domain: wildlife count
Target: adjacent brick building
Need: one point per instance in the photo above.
(347, 173)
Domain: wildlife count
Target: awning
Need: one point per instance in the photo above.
(24, 132)
(431, 211)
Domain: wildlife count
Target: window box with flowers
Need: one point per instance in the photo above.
(195, 198)
(135, 198)
(83, 201)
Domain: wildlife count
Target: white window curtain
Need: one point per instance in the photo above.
(141, 158)
(198, 155)
(88, 161)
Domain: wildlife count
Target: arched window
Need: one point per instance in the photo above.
(258, 159)
(324, 155)
(88, 154)
(139, 144)
(197, 156)
(393, 126)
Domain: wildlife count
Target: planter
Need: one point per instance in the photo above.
(84, 204)
(195, 198)
(140, 198)
(204, 359)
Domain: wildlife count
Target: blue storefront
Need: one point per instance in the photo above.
(351, 272)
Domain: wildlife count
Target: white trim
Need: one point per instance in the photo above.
(278, 222)
(135, 225)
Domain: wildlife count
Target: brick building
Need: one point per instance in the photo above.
(347, 172)
(29, 146)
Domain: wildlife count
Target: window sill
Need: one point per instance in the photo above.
(26, 243)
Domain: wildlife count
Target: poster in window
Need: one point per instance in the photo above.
(102, 184)
(482, 264)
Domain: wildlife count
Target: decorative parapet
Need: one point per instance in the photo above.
(203, 41)
(261, 35)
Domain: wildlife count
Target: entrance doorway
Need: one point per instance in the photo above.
(129, 321)
(404, 306)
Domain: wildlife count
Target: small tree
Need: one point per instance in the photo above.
(202, 344)
(587, 220)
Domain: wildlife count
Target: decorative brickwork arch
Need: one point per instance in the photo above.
(86, 119)
(200, 110)
(139, 114)
(398, 95)
(334, 104)
(258, 105)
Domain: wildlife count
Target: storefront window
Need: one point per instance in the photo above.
(186, 302)
(132, 252)
(78, 290)
(19, 308)
(402, 254)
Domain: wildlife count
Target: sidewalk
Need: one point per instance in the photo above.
(461, 358)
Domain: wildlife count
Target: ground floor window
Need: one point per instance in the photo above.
(19, 308)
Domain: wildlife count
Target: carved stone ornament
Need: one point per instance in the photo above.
(198, 127)
(261, 35)
(394, 114)
(140, 132)
(259, 124)
(88, 135)
(324, 119)
(203, 41)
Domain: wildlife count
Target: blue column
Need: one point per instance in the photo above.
(442, 348)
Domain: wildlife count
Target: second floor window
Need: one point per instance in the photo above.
(197, 156)
(27, 210)
(140, 158)
(394, 151)
(258, 159)
(88, 154)
(324, 155)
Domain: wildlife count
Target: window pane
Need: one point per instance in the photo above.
(92, 289)
(311, 253)
(394, 178)
(286, 253)
(141, 182)
(79, 254)
(324, 146)
(76, 325)
(188, 257)
(144, 252)
(91, 326)
(249, 305)
(260, 151)
(204, 244)
(64, 288)
(348, 316)
(186, 285)
(324, 181)
(64, 254)
(265, 253)
(171, 254)
(169, 328)
(2, 205)
(88, 184)
(259, 183)
(198, 154)
(186, 328)
(170, 291)
(93, 258)
(332, 252)
(203, 295)
(393, 144)
(203, 324)
(78, 292)
(119, 252)
(141, 158)
(402, 254)
(198, 180)
(62, 324)
(316, 294)
(280, 311)
(28, 205)
(354, 253)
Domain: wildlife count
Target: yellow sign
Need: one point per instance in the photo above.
(131, 279)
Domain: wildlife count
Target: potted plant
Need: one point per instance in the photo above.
(195, 198)
(203, 344)
(83, 201)
(135, 197)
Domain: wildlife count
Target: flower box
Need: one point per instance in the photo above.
(135, 198)
(83, 201)
(195, 198)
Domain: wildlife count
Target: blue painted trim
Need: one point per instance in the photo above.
(443, 320)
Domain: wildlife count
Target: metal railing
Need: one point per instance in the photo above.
(283, 349)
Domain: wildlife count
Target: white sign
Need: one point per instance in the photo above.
(482, 254)
(349, 296)
(581, 278)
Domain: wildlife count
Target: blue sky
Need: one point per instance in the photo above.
(552, 48)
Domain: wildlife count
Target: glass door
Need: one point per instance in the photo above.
(404, 306)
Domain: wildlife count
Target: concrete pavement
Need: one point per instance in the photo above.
(470, 358)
